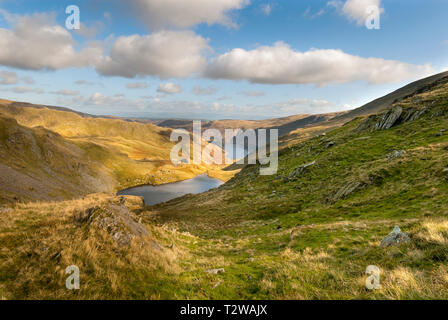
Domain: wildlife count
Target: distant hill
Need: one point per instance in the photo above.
(72, 153)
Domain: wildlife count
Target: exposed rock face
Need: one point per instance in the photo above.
(388, 120)
(395, 238)
(391, 118)
(346, 190)
(116, 219)
(297, 172)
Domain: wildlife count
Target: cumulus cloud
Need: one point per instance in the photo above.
(137, 85)
(89, 31)
(164, 54)
(159, 14)
(356, 10)
(199, 91)
(8, 77)
(279, 64)
(169, 88)
(37, 42)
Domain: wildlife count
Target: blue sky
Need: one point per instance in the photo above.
(218, 59)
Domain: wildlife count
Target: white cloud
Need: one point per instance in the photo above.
(99, 99)
(37, 42)
(8, 77)
(21, 90)
(169, 88)
(279, 64)
(199, 91)
(27, 80)
(267, 8)
(90, 32)
(137, 85)
(164, 54)
(159, 14)
(356, 10)
(66, 92)
(253, 93)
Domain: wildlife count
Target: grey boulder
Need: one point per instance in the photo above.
(395, 238)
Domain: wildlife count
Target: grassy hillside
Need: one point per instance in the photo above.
(308, 232)
(40, 164)
(54, 153)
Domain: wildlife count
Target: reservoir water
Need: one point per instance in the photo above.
(165, 192)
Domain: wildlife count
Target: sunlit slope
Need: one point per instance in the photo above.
(38, 164)
(129, 153)
(137, 140)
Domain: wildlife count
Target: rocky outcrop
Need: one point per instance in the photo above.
(300, 170)
(388, 120)
(393, 117)
(395, 238)
(115, 219)
(346, 190)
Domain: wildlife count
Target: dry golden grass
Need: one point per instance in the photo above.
(41, 239)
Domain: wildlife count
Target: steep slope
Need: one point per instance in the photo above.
(40, 164)
(112, 153)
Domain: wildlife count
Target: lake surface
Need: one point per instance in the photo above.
(158, 194)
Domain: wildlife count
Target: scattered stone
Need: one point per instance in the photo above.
(396, 237)
(297, 172)
(5, 210)
(216, 271)
(395, 154)
(218, 284)
(330, 144)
